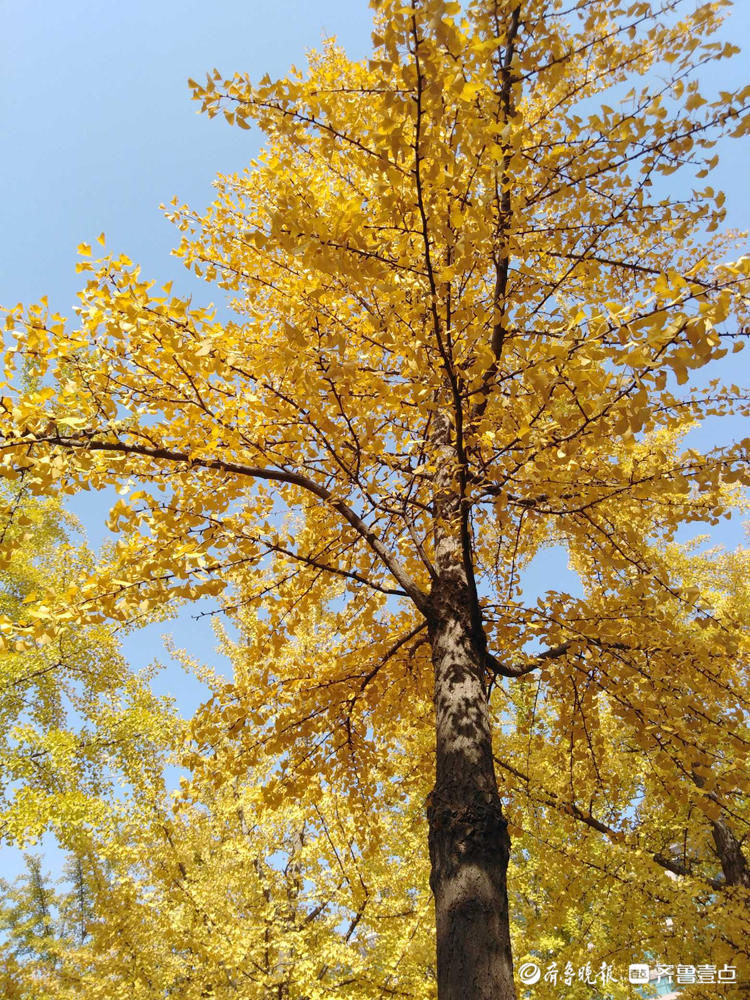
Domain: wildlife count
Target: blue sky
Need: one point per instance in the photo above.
(98, 129)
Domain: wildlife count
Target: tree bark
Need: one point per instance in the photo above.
(728, 848)
(468, 834)
(729, 852)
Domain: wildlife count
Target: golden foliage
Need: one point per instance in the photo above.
(470, 230)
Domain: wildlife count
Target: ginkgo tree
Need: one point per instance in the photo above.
(620, 853)
(471, 279)
(74, 719)
(224, 888)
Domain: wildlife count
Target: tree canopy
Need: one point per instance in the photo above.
(473, 294)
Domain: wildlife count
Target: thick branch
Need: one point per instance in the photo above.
(728, 848)
(84, 443)
(519, 669)
(571, 809)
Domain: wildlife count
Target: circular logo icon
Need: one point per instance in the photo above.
(529, 973)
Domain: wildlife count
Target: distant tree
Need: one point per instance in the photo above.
(27, 915)
(77, 911)
(74, 720)
(231, 891)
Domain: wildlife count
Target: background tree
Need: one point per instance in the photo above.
(74, 720)
(466, 307)
(28, 918)
(626, 854)
(228, 889)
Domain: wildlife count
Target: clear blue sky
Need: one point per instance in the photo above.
(98, 129)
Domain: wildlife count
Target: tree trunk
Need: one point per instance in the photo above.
(729, 852)
(468, 835)
(728, 848)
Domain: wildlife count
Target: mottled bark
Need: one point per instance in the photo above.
(468, 835)
(728, 848)
(729, 852)
(469, 843)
